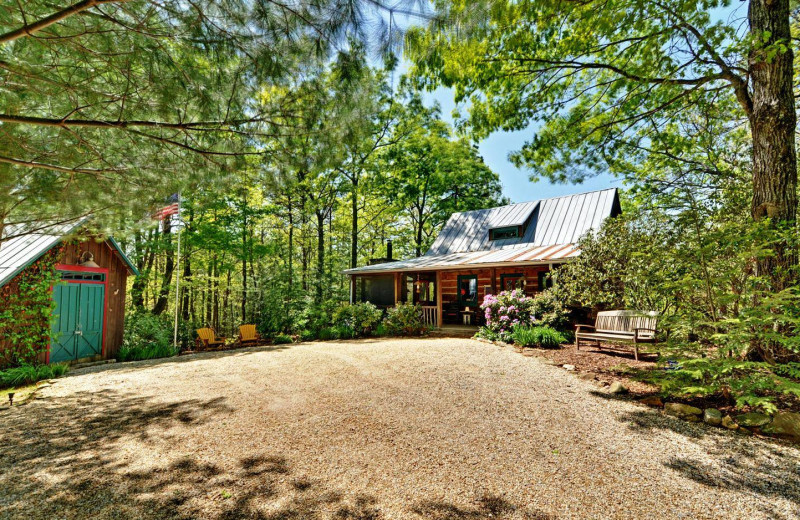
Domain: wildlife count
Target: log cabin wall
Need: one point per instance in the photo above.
(106, 257)
(489, 277)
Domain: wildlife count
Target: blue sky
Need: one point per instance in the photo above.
(496, 149)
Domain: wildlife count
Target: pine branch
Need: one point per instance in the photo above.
(29, 28)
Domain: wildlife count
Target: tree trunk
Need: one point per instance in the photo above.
(320, 255)
(291, 248)
(773, 123)
(354, 227)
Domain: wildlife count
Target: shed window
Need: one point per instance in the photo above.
(545, 280)
(504, 232)
(83, 276)
(468, 289)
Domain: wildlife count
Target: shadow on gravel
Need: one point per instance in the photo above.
(59, 459)
(488, 506)
(767, 469)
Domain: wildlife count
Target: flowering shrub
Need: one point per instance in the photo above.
(507, 310)
(361, 318)
(405, 319)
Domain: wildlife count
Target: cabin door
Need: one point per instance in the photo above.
(77, 329)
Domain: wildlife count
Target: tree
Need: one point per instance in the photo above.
(433, 176)
(110, 105)
(605, 79)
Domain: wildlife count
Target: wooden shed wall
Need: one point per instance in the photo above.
(105, 256)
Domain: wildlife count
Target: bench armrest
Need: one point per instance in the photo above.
(636, 331)
(579, 327)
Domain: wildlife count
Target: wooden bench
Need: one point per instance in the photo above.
(622, 327)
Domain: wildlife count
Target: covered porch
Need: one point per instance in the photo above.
(449, 297)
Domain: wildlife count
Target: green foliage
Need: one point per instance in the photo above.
(146, 351)
(27, 374)
(282, 339)
(548, 309)
(143, 330)
(405, 319)
(146, 337)
(360, 318)
(539, 336)
(748, 383)
(26, 308)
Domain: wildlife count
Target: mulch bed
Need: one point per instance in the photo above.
(605, 366)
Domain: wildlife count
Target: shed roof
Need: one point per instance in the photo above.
(21, 251)
(551, 228)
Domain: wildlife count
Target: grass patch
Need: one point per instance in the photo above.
(152, 351)
(282, 339)
(545, 337)
(29, 374)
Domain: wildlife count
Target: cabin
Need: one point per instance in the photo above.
(484, 252)
(88, 295)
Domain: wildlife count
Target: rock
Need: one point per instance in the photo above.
(729, 423)
(753, 420)
(569, 367)
(786, 424)
(712, 416)
(653, 401)
(587, 376)
(617, 388)
(683, 411)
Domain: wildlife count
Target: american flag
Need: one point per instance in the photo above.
(173, 208)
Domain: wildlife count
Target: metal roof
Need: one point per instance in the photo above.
(21, 251)
(551, 227)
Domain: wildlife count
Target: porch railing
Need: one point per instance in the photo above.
(429, 314)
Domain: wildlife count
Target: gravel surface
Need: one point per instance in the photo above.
(372, 429)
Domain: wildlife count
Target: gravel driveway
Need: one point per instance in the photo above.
(373, 429)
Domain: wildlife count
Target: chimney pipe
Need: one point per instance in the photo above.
(388, 249)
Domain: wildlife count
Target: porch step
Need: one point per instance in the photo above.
(454, 331)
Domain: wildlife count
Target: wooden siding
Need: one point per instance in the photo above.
(489, 277)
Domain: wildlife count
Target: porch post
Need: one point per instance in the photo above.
(493, 274)
(396, 288)
(352, 289)
(439, 299)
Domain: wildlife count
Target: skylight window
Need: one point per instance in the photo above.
(504, 232)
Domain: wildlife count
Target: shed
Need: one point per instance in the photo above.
(87, 289)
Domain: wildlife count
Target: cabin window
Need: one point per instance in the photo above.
(509, 282)
(420, 288)
(378, 290)
(504, 232)
(468, 289)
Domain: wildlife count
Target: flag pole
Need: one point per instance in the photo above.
(178, 276)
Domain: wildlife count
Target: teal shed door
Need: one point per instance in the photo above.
(77, 330)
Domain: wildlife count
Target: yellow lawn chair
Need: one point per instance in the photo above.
(207, 338)
(248, 334)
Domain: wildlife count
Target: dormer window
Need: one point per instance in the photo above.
(504, 232)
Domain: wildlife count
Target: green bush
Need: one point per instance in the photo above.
(380, 331)
(549, 310)
(29, 374)
(282, 339)
(151, 351)
(360, 318)
(146, 337)
(142, 329)
(546, 337)
(405, 319)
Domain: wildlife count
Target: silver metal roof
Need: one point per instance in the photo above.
(551, 228)
(19, 252)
